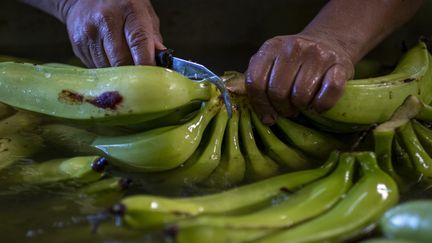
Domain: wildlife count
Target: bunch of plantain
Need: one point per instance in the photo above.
(175, 135)
(323, 204)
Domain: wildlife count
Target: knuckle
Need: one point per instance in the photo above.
(105, 17)
(138, 37)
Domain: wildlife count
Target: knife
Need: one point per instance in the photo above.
(195, 72)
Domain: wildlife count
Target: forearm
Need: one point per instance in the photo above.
(56, 8)
(359, 25)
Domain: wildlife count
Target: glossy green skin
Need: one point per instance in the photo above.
(409, 221)
(358, 104)
(425, 113)
(76, 169)
(419, 157)
(198, 168)
(232, 166)
(147, 92)
(278, 150)
(258, 165)
(310, 141)
(365, 203)
(383, 140)
(424, 135)
(308, 202)
(329, 125)
(14, 147)
(149, 211)
(161, 148)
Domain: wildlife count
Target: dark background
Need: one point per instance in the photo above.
(221, 34)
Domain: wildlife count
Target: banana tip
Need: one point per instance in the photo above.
(99, 164)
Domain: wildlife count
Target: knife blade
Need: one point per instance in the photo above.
(195, 72)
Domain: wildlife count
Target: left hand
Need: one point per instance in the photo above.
(297, 71)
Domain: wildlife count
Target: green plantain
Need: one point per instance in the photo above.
(420, 158)
(116, 96)
(151, 211)
(199, 166)
(359, 103)
(154, 150)
(81, 169)
(231, 168)
(363, 205)
(278, 150)
(258, 164)
(308, 140)
(308, 202)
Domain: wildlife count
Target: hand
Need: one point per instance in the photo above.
(297, 71)
(113, 33)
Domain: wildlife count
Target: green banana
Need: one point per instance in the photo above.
(364, 203)
(425, 113)
(310, 141)
(77, 169)
(403, 164)
(278, 150)
(151, 211)
(200, 166)
(418, 155)
(424, 135)
(384, 137)
(21, 121)
(154, 150)
(116, 96)
(231, 168)
(329, 125)
(18, 146)
(258, 165)
(358, 104)
(306, 203)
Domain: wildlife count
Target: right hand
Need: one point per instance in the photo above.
(107, 33)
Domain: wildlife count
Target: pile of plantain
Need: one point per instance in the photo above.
(317, 177)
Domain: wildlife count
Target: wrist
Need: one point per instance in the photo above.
(345, 43)
(57, 8)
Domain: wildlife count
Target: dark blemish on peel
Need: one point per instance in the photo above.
(409, 80)
(70, 97)
(106, 100)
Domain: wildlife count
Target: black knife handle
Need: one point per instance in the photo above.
(164, 58)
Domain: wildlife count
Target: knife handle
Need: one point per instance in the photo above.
(164, 58)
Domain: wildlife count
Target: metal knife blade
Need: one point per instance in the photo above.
(197, 73)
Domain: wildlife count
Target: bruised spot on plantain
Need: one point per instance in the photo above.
(70, 97)
(106, 100)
